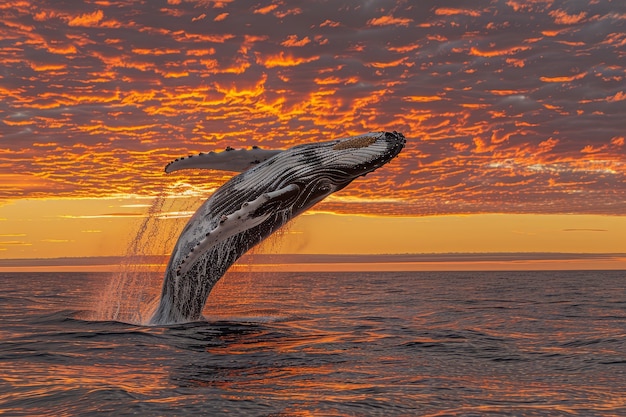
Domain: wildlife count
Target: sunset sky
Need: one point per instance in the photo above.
(514, 113)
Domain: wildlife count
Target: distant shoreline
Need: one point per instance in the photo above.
(345, 262)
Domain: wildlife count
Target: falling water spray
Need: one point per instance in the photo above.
(132, 292)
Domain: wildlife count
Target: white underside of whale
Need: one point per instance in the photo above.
(236, 222)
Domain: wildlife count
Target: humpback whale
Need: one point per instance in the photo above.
(273, 187)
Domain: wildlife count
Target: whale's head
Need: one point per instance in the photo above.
(320, 169)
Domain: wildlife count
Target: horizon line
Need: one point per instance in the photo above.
(448, 261)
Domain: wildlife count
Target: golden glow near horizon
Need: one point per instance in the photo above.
(105, 227)
(508, 107)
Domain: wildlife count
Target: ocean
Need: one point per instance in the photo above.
(323, 344)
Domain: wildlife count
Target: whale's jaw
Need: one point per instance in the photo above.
(253, 205)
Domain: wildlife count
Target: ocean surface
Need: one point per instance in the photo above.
(324, 344)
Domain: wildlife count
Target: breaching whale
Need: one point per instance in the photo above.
(274, 187)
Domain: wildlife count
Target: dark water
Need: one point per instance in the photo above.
(325, 344)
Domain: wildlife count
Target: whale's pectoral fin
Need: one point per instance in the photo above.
(235, 160)
(251, 214)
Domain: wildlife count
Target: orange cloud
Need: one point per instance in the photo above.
(404, 49)
(561, 17)
(389, 20)
(47, 67)
(618, 141)
(422, 99)
(267, 9)
(86, 19)
(283, 60)
(547, 145)
(330, 23)
(448, 11)
(220, 17)
(563, 79)
(619, 96)
(196, 37)
(398, 62)
(292, 40)
(498, 52)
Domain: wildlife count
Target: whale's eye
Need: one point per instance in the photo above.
(324, 188)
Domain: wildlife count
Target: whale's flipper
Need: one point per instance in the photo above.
(235, 160)
(250, 214)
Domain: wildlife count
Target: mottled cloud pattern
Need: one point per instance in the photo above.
(509, 106)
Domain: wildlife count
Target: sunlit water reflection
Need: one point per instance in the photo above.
(322, 344)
